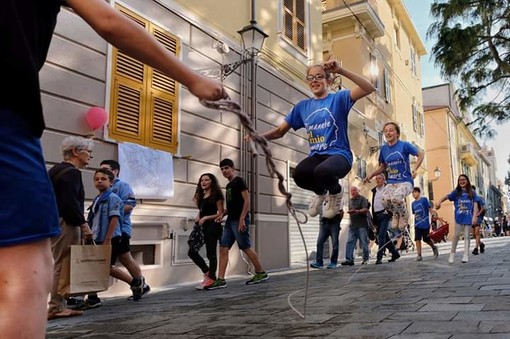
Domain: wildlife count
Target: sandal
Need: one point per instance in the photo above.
(64, 314)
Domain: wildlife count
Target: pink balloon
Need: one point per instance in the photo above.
(96, 117)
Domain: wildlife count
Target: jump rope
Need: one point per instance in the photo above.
(228, 105)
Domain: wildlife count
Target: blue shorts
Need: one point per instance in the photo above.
(28, 209)
(231, 234)
(421, 233)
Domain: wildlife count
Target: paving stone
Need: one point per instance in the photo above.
(431, 299)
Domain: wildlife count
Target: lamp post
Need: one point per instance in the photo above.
(437, 175)
(252, 39)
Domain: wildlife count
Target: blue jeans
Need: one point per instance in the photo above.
(355, 234)
(231, 234)
(382, 221)
(328, 228)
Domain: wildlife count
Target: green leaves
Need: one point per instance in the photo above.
(472, 49)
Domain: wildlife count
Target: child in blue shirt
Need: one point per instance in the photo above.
(422, 208)
(466, 212)
(324, 117)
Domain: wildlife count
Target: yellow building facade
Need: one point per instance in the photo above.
(376, 38)
(451, 147)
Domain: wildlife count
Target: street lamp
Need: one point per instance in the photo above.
(252, 39)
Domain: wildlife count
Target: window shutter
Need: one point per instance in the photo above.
(144, 100)
(162, 103)
(294, 27)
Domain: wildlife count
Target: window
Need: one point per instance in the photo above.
(387, 86)
(397, 36)
(143, 108)
(294, 22)
(374, 73)
(412, 57)
(422, 124)
(361, 168)
(415, 118)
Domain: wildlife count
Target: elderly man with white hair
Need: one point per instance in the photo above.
(358, 229)
(70, 195)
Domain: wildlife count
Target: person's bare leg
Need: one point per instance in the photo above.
(121, 275)
(127, 260)
(254, 258)
(26, 275)
(223, 262)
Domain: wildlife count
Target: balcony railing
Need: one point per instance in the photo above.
(468, 154)
(364, 10)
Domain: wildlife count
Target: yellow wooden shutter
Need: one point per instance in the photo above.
(162, 103)
(143, 100)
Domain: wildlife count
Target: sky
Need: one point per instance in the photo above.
(430, 75)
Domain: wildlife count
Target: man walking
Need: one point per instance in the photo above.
(358, 230)
(381, 220)
(236, 227)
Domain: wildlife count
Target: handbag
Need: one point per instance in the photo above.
(196, 238)
(90, 268)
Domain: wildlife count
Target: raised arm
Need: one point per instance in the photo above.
(131, 38)
(379, 170)
(363, 85)
(419, 160)
(277, 132)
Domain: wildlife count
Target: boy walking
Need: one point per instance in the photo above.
(422, 208)
(105, 217)
(236, 227)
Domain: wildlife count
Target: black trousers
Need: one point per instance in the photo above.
(320, 173)
(212, 235)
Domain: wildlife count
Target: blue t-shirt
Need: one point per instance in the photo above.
(464, 206)
(126, 194)
(104, 207)
(421, 213)
(396, 159)
(481, 204)
(325, 121)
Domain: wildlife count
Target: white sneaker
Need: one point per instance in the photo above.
(333, 205)
(315, 205)
(465, 258)
(451, 258)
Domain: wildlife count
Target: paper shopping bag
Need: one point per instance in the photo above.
(90, 268)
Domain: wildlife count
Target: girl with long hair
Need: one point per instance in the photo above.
(466, 212)
(394, 161)
(209, 200)
(324, 116)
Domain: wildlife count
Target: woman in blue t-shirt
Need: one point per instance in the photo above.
(394, 160)
(466, 212)
(325, 119)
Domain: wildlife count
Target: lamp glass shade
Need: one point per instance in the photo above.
(252, 38)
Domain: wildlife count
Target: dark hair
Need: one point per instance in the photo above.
(114, 165)
(397, 127)
(469, 188)
(106, 171)
(226, 162)
(417, 189)
(216, 193)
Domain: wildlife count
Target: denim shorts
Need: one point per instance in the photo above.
(28, 209)
(231, 234)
